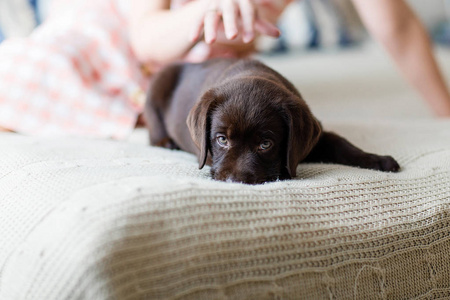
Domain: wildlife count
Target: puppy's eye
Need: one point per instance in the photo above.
(265, 145)
(222, 140)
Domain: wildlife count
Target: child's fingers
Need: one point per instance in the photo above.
(267, 28)
(229, 19)
(197, 31)
(225, 10)
(248, 19)
(212, 19)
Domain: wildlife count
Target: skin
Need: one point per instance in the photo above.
(395, 26)
(148, 17)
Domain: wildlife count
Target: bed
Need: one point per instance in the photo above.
(102, 219)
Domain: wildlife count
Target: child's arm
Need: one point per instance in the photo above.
(161, 35)
(398, 29)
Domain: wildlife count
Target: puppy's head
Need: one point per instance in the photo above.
(252, 130)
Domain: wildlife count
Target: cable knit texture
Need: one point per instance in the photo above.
(93, 219)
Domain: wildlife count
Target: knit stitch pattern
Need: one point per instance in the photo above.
(96, 219)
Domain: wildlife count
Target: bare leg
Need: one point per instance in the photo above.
(332, 148)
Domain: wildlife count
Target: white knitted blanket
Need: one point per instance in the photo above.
(93, 219)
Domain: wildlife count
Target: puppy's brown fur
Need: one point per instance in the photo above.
(245, 120)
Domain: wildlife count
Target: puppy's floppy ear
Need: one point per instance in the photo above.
(303, 133)
(199, 123)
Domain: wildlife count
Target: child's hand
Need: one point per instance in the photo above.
(237, 16)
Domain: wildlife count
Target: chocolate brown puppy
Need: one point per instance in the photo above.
(245, 120)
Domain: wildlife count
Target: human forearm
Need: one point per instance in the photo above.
(162, 35)
(402, 34)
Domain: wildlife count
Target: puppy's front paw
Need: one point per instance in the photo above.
(381, 163)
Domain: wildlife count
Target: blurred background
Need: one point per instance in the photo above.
(324, 24)
(307, 24)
